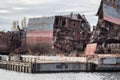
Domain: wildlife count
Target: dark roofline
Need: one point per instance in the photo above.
(100, 8)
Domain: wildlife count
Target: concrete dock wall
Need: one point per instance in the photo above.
(38, 64)
(62, 67)
(46, 67)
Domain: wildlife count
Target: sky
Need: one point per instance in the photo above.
(11, 10)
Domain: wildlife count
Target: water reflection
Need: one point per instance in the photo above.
(110, 75)
(9, 75)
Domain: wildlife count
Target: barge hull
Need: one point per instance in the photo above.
(62, 67)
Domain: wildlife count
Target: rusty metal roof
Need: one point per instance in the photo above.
(42, 23)
(111, 2)
(111, 14)
(46, 23)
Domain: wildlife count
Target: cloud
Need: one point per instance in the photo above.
(38, 1)
(28, 1)
(71, 10)
(6, 28)
(4, 11)
(94, 1)
(17, 9)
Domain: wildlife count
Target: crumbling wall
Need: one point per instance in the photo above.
(107, 35)
(65, 34)
(71, 34)
(16, 41)
(3, 42)
(107, 31)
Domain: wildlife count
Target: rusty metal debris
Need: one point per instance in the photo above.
(107, 31)
(71, 33)
(16, 41)
(66, 33)
(12, 41)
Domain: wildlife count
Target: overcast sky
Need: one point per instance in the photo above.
(17, 9)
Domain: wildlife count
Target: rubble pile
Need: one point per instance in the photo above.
(71, 33)
(107, 31)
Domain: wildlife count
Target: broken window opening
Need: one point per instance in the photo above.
(63, 22)
(56, 21)
(74, 24)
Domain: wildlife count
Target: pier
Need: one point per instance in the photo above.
(16, 66)
(46, 67)
(49, 64)
(38, 64)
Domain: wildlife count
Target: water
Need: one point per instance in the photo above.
(9, 75)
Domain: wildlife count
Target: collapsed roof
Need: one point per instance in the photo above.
(110, 10)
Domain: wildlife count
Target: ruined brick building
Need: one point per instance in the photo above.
(107, 31)
(64, 33)
(71, 33)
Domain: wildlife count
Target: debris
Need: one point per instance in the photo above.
(66, 33)
(107, 31)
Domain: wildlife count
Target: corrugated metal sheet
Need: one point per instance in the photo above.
(118, 60)
(111, 14)
(107, 61)
(111, 19)
(117, 2)
(90, 49)
(36, 37)
(42, 23)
